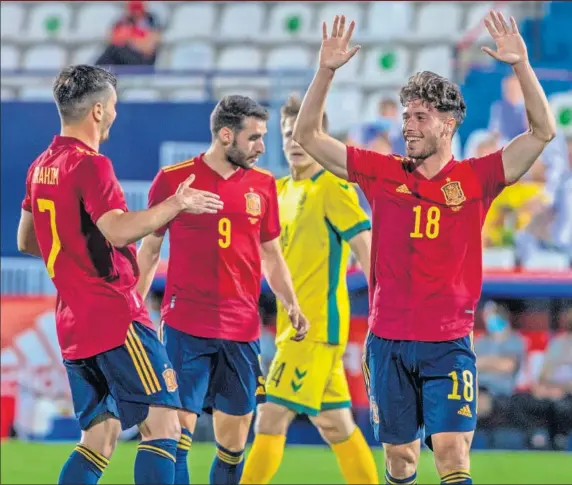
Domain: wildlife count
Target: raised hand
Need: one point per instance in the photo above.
(510, 44)
(299, 322)
(197, 201)
(335, 51)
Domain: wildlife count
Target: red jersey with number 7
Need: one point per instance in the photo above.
(214, 270)
(426, 269)
(68, 188)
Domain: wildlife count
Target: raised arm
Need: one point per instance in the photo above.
(519, 155)
(334, 53)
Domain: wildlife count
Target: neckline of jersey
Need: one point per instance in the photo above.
(218, 176)
(439, 175)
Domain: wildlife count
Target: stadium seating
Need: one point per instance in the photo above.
(94, 21)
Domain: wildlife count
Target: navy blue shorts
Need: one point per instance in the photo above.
(124, 381)
(417, 387)
(214, 373)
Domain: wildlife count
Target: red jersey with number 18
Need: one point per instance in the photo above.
(426, 269)
(214, 271)
(68, 188)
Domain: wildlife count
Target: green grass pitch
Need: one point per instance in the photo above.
(40, 463)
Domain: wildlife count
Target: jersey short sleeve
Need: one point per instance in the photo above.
(157, 194)
(364, 167)
(490, 173)
(343, 210)
(270, 226)
(27, 202)
(98, 187)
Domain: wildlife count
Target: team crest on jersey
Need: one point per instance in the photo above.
(253, 205)
(453, 193)
(170, 380)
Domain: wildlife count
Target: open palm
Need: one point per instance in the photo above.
(335, 51)
(510, 44)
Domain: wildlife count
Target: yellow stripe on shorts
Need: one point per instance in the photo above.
(141, 362)
(145, 358)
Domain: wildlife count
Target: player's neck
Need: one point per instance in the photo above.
(434, 164)
(304, 173)
(79, 133)
(215, 158)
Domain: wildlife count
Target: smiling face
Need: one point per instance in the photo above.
(425, 130)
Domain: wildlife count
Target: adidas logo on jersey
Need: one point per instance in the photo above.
(402, 189)
(465, 411)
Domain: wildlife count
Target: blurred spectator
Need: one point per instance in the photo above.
(134, 38)
(549, 404)
(500, 355)
(507, 115)
(516, 205)
(508, 120)
(387, 124)
(551, 229)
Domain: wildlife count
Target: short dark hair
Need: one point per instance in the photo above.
(291, 109)
(444, 95)
(231, 111)
(78, 88)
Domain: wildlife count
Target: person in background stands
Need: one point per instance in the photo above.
(134, 38)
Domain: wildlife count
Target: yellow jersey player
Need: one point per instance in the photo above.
(321, 221)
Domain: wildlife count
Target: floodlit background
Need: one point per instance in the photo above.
(174, 60)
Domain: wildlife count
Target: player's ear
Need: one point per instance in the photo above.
(98, 111)
(225, 136)
(449, 126)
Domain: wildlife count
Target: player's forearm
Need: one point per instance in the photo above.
(128, 227)
(280, 281)
(148, 257)
(327, 151)
(361, 246)
(540, 117)
(309, 120)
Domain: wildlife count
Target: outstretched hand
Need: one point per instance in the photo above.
(197, 201)
(335, 51)
(511, 48)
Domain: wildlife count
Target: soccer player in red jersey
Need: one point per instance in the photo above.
(74, 216)
(426, 270)
(210, 317)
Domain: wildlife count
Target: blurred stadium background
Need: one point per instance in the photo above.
(174, 60)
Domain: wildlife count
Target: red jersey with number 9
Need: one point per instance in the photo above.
(68, 188)
(214, 271)
(426, 269)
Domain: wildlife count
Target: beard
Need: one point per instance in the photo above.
(423, 153)
(105, 128)
(235, 156)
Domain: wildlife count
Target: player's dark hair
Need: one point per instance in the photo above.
(444, 95)
(291, 109)
(231, 111)
(78, 88)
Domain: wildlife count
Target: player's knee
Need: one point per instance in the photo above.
(231, 432)
(161, 423)
(401, 460)
(451, 451)
(335, 426)
(273, 419)
(102, 436)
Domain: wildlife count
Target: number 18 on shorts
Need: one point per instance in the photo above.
(420, 386)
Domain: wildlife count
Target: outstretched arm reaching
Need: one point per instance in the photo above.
(524, 150)
(334, 53)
